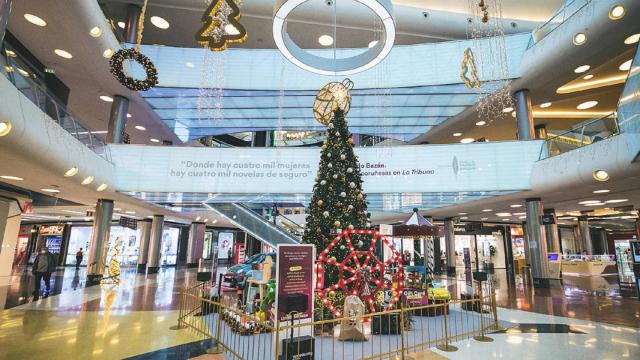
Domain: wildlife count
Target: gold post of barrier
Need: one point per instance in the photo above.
(215, 338)
(180, 313)
(494, 309)
(277, 330)
(446, 346)
(481, 337)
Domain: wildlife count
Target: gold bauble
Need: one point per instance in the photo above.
(337, 224)
(332, 294)
(333, 259)
(320, 202)
(350, 141)
(350, 227)
(332, 96)
(360, 197)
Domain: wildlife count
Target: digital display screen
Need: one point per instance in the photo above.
(553, 257)
(53, 243)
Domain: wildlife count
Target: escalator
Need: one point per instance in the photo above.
(255, 224)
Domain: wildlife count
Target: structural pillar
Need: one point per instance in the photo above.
(5, 11)
(117, 119)
(262, 138)
(551, 230)
(143, 252)
(524, 116)
(131, 27)
(537, 243)
(196, 242)
(155, 244)
(585, 235)
(450, 245)
(99, 241)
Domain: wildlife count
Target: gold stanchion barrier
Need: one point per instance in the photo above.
(446, 346)
(215, 338)
(481, 337)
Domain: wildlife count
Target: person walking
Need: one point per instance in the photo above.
(79, 256)
(44, 264)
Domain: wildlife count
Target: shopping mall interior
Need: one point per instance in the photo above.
(319, 179)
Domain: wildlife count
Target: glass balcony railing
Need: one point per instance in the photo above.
(570, 8)
(25, 80)
(584, 134)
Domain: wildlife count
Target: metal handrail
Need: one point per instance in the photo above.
(566, 15)
(577, 129)
(57, 111)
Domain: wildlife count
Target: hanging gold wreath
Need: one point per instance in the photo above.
(214, 33)
(469, 65)
(116, 62)
(334, 95)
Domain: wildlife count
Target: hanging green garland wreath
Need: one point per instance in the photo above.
(117, 69)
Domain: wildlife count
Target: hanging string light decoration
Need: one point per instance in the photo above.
(489, 50)
(221, 26)
(335, 95)
(116, 63)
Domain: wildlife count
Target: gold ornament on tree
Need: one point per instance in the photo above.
(469, 66)
(221, 26)
(335, 95)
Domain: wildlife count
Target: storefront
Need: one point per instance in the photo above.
(486, 245)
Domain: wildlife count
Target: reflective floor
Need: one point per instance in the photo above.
(133, 319)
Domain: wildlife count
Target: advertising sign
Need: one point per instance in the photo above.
(225, 245)
(239, 254)
(295, 282)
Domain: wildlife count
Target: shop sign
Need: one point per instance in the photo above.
(128, 222)
(239, 254)
(51, 229)
(415, 297)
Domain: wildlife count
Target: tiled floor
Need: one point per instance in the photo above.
(134, 318)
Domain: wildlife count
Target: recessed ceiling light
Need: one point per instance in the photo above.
(71, 172)
(481, 123)
(588, 77)
(372, 44)
(325, 40)
(141, 128)
(9, 177)
(600, 175)
(106, 98)
(159, 22)
(615, 201)
(516, 205)
(49, 190)
(214, 221)
(487, 210)
(35, 20)
(5, 128)
(117, 209)
(625, 66)
(594, 204)
(579, 38)
(121, 24)
(545, 105)
(632, 39)
(457, 134)
(231, 30)
(462, 213)
(96, 31)
(206, 220)
(503, 214)
(107, 53)
(102, 187)
(603, 191)
(507, 110)
(587, 105)
(88, 180)
(464, 218)
(484, 219)
(467, 140)
(519, 213)
(190, 64)
(616, 12)
(130, 212)
(63, 53)
(589, 202)
(198, 218)
(522, 217)
(154, 140)
(581, 69)
(128, 115)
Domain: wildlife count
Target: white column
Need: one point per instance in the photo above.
(10, 217)
(196, 242)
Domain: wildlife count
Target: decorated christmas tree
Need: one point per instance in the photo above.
(338, 202)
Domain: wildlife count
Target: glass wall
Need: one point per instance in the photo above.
(629, 106)
(169, 245)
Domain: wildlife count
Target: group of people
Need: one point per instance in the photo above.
(44, 265)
